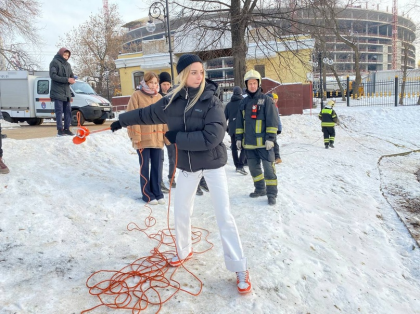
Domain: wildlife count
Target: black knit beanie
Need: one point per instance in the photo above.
(164, 77)
(237, 90)
(186, 60)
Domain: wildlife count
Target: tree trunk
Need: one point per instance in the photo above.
(343, 94)
(239, 46)
(404, 76)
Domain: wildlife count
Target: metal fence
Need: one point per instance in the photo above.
(394, 92)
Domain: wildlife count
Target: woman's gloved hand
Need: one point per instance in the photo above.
(171, 136)
(116, 125)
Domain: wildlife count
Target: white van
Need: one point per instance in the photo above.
(26, 97)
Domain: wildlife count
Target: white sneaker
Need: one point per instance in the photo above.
(153, 202)
(162, 201)
(175, 261)
(243, 282)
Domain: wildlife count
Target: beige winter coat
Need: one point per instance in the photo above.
(142, 136)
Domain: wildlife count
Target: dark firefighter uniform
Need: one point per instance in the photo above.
(328, 119)
(256, 123)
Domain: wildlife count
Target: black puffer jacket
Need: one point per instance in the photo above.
(200, 139)
(60, 72)
(231, 111)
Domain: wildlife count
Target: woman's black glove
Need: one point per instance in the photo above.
(116, 125)
(171, 136)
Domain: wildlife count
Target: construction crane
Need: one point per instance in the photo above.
(394, 34)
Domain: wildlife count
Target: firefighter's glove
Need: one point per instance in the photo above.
(269, 145)
(171, 136)
(239, 145)
(278, 132)
(116, 125)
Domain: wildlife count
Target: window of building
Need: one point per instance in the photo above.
(137, 78)
(214, 75)
(214, 64)
(261, 69)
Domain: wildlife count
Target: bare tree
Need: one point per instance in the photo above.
(226, 28)
(16, 24)
(95, 45)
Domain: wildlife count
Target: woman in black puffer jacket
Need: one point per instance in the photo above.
(197, 125)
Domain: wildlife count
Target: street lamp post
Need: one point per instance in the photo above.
(155, 12)
(321, 60)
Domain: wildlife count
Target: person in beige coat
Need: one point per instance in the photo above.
(148, 140)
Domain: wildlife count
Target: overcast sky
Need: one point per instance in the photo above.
(59, 18)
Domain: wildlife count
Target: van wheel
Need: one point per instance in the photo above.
(74, 118)
(35, 121)
(7, 117)
(99, 121)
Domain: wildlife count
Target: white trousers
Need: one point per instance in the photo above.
(185, 192)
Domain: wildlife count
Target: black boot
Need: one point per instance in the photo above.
(173, 183)
(203, 184)
(271, 200)
(326, 146)
(332, 145)
(258, 193)
(163, 187)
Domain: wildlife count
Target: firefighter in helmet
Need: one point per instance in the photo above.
(256, 131)
(328, 119)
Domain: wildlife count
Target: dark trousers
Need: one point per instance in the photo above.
(61, 107)
(276, 150)
(149, 175)
(268, 179)
(171, 156)
(1, 151)
(329, 135)
(238, 161)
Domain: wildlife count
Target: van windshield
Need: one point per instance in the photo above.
(82, 88)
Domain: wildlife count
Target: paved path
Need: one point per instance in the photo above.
(48, 129)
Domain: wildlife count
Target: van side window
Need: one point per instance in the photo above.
(43, 87)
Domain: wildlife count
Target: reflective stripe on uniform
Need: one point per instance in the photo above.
(239, 131)
(258, 178)
(271, 130)
(247, 146)
(258, 124)
(328, 124)
(271, 182)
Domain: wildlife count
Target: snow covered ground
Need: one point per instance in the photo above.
(333, 243)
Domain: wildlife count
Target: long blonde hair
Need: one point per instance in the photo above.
(182, 78)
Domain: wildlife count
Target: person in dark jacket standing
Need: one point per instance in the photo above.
(279, 129)
(328, 119)
(165, 84)
(197, 125)
(61, 78)
(256, 131)
(231, 111)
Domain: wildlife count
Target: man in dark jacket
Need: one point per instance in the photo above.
(328, 119)
(231, 112)
(256, 131)
(61, 77)
(165, 88)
